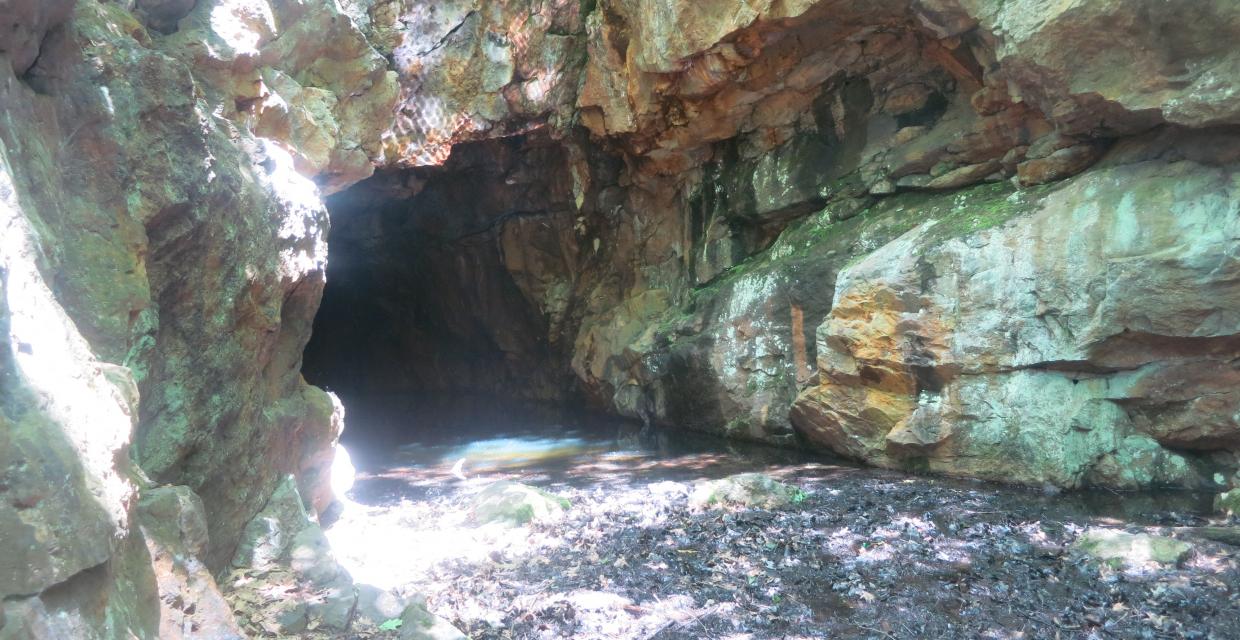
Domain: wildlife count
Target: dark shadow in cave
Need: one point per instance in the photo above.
(435, 279)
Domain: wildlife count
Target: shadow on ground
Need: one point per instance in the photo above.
(864, 553)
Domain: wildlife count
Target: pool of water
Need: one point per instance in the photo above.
(425, 453)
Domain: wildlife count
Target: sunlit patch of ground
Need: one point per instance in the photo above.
(865, 554)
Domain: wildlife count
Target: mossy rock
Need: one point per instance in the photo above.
(1120, 549)
(418, 623)
(1228, 503)
(515, 504)
(742, 490)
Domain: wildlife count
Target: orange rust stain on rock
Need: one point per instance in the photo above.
(800, 354)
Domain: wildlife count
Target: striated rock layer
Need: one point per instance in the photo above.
(970, 237)
(1089, 339)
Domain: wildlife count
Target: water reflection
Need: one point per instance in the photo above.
(412, 451)
(407, 449)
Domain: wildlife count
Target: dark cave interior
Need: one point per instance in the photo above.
(433, 277)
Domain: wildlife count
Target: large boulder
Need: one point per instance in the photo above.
(1090, 339)
(174, 525)
(72, 565)
(163, 266)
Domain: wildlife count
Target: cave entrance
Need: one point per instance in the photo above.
(432, 320)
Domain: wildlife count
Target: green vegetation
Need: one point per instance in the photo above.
(739, 423)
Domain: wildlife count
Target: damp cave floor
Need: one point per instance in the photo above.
(864, 554)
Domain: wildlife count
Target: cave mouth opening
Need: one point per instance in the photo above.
(434, 320)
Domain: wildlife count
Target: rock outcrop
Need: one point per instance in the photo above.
(1104, 349)
(969, 237)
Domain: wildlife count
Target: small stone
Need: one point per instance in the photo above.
(1048, 144)
(744, 490)
(1128, 549)
(908, 134)
(418, 623)
(268, 535)
(163, 15)
(1013, 157)
(515, 504)
(914, 181)
(334, 609)
(293, 619)
(310, 557)
(907, 99)
(1058, 165)
(376, 606)
(963, 176)
(882, 188)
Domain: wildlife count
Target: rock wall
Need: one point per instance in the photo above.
(980, 238)
(728, 167)
(163, 254)
(1091, 339)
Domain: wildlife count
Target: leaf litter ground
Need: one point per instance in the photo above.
(861, 554)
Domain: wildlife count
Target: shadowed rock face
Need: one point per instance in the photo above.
(26, 25)
(978, 238)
